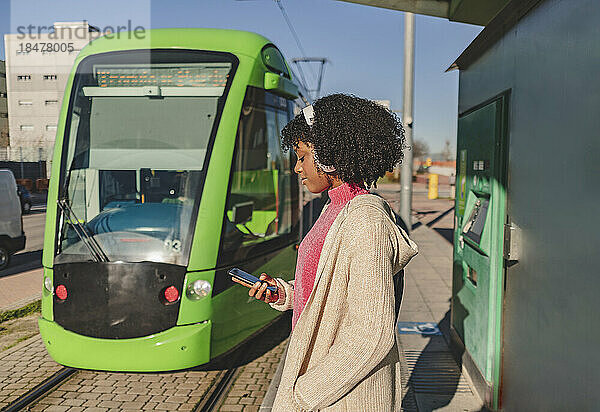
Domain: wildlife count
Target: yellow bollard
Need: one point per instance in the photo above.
(433, 187)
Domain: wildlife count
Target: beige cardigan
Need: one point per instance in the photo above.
(342, 354)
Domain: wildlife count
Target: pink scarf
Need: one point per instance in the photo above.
(310, 248)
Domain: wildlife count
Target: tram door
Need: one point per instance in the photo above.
(478, 236)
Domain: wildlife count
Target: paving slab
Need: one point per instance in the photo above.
(22, 367)
(130, 391)
(20, 289)
(443, 403)
(28, 363)
(251, 387)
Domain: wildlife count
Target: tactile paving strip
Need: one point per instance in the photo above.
(409, 403)
(434, 372)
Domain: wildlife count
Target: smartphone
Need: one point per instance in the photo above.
(248, 279)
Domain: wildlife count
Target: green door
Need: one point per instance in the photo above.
(478, 237)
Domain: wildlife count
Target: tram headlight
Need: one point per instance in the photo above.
(48, 284)
(198, 289)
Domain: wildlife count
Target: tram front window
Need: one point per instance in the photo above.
(135, 149)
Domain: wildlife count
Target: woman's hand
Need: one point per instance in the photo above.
(259, 289)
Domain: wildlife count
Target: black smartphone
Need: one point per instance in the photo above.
(248, 279)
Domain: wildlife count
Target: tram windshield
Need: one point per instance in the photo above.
(136, 142)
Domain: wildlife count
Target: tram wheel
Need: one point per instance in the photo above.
(4, 257)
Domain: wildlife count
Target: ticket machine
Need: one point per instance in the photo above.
(478, 238)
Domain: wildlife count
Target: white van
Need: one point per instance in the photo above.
(12, 237)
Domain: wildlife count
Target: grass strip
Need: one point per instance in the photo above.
(33, 307)
(15, 343)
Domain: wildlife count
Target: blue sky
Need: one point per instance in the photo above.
(364, 44)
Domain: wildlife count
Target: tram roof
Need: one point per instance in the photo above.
(234, 41)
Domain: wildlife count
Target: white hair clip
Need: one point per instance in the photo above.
(309, 115)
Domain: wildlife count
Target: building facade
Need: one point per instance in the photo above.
(3, 112)
(37, 67)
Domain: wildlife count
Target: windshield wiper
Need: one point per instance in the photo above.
(89, 241)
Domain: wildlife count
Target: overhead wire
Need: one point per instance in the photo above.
(296, 38)
(304, 89)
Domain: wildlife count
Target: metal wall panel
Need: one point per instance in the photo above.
(550, 61)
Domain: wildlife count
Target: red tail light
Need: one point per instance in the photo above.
(61, 292)
(171, 294)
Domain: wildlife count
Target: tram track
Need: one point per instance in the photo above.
(40, 390)
(40, 383)
(217, 392)
(209, 403)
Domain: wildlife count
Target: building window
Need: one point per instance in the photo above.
(25, 103)
(51, 102)
(50, 127)
(50, 77)
(2, 94)
(26, 127)
(4, 115)
(2, 75)
(24, 78)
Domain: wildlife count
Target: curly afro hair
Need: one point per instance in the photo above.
(359, 137)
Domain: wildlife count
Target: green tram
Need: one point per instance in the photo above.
(167, 172)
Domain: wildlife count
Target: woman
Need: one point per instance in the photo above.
(342, 354)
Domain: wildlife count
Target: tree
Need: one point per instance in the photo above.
(420, 149)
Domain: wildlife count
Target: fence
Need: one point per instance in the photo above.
(26, 170)
(27, 163)
(25, 154)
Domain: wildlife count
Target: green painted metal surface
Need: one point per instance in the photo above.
(233, 323)
(280, 85)
(478, 237)
(176, 348)
(47, 310)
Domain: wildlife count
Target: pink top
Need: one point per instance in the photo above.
(310, 248)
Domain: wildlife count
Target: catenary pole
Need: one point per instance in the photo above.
(406, 171)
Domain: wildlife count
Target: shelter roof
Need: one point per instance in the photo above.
(479, 12)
